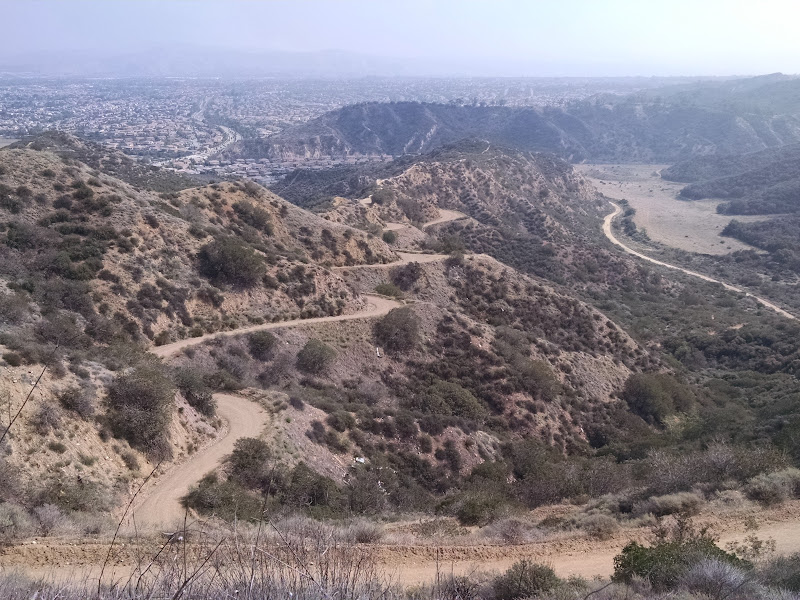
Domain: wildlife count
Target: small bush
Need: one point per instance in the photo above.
(510, 531)
(12, 359)
(224, 499)
(390, 237)
(261, 344)
(480, 508)
(46, 418)
(141, 404)
(665, 562)
(50, 518)
(14, 522)
(783, 572)
(774, 488)
(525, 579)
(194, 389)
(599, 526)
(231, 261)
(57, 447)
(315, 357)
(686, 503)
(255, 216)
(406, 277)
(129, 458)
(714, 578)
(363, 531)
(654, 397)
(249, 462)
(398, 331)
(388, 289)
(77, 400)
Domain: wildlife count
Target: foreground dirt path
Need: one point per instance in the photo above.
(159, 506)
(610, 235)
(573, 554)
(377, 306)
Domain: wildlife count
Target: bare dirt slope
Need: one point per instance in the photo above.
(160, 500)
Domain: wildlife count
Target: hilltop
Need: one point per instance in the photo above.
(663, 125)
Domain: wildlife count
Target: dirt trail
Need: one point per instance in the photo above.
(445, 215)
(160, 505)
(610, 235)
(417, 564)
(377, 307)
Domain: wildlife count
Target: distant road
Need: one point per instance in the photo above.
(610, 235)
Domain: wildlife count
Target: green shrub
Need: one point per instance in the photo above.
(195, 390)
(140, 408)
(390, 237)
(261, 344)
(12, 358)
(57, 447)
(398, 331)
(77, 400)
(249, 461)
(231, 261)
(525, 579)
(255, 216)
(406, 276)
(480, 508)
(774, 488)
(666, 561)
(654, 397)
(389, 289)
(447, 398)
(315, 357)
(224, 499)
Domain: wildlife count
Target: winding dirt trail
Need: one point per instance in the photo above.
(614, 240)
(160, 504)
(445, 216)
(377, 306)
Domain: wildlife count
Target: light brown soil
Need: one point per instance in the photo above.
(445, 216)
(569, 553)
(159, 501)
(610, 235)
(691, 225)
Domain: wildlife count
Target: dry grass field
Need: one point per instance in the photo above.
(693, 226)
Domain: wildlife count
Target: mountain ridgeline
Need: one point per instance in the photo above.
(648, 127)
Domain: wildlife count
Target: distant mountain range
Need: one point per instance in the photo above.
(666, 125)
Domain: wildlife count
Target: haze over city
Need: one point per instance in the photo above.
(415, 37)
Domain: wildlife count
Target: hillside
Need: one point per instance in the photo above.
(766, 182)
(665, 125)
(473, 349)
(477, 358)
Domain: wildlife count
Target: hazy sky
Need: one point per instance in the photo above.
(573, 37)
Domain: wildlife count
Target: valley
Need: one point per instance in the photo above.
(665, 217)
(539, 338)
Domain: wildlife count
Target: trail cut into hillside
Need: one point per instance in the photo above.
(614, 240)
